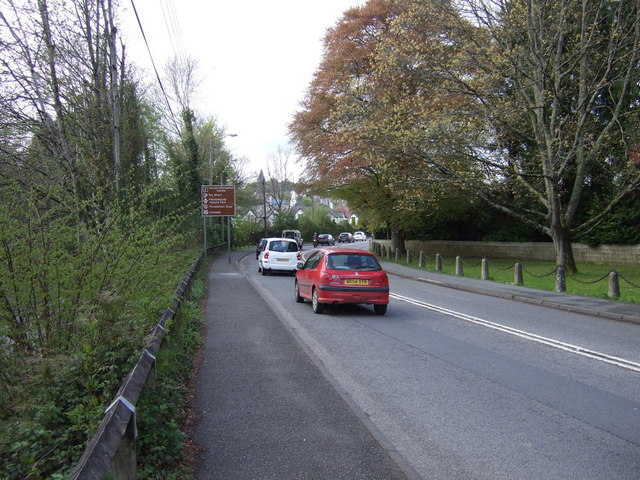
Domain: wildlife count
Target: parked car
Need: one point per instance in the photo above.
(279, 254)
(260, 247)
(337, 276)
(345, 237)
(295, 234)
(323, 239)
(359, 236)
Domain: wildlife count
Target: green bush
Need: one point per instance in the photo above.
(79, 300)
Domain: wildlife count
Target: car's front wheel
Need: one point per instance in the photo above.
(315, 304)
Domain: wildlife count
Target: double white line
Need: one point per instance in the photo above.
(567, 347)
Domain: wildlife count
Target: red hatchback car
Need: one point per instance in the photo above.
(346, 275)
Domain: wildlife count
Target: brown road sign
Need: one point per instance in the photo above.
(218, 200)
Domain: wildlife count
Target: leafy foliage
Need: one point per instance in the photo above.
(76, 316)
(98, 221)
(530, 106)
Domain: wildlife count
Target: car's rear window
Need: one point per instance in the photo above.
(342, 261)
(283, 246)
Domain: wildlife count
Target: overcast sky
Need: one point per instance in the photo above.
(256, 59)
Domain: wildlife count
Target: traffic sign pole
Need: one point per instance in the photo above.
(218, 201)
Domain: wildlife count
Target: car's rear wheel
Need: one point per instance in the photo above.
(316, 305)
(264, 272)
(380, 309)
(299, 299)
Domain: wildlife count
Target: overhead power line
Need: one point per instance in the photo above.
(174, 31)
(153, 63)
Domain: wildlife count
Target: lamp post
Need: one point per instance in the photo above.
(264, 202)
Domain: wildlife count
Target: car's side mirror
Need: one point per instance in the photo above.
(300, 266)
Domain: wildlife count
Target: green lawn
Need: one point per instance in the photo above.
(591, 280)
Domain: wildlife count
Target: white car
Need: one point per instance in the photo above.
(279, 254)
(359, 236)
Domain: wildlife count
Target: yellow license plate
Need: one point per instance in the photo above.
(283, 260)
(356, 281)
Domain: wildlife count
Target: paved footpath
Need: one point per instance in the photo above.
(264, 409)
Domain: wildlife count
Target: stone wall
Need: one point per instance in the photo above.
(602, 255)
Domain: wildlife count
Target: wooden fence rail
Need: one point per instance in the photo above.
(113, 446)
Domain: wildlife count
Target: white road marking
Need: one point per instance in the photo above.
(603, 357)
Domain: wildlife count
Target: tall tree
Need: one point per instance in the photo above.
(327, 129)
(279, 184)
(191, 165)
(562, 107)
(534, 98)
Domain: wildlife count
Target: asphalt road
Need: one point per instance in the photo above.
(459, 385)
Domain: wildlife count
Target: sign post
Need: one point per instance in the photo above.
(219, 201)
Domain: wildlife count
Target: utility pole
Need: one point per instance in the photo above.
(115, 100)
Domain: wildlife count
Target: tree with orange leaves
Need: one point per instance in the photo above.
(527, 104)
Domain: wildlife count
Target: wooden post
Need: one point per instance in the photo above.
(614, 285)
(123, 465)
(397, 254)
(409, 257)
(459, 269)
(421, 259)
(485, 269)
(517, 274)
(438, 263)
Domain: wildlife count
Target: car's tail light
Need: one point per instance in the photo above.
(325, 278)
(299, 256)
(381, 280)
(266, 256)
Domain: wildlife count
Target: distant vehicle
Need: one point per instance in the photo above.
(279, 254)
(324, 239)
(359, 236)
(295, 234)
(345, 237)
(260, 247)
(332, 276)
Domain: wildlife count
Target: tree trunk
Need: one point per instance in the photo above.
(397, 240)
(564, 249)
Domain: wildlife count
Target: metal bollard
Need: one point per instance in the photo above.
(485, 269)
